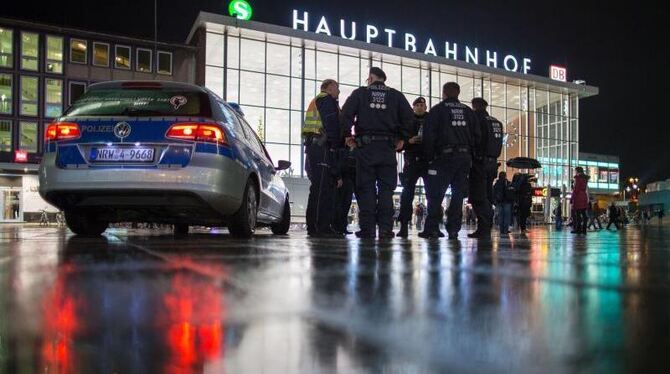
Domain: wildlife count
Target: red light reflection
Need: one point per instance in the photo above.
(60, 324)
(193, 315)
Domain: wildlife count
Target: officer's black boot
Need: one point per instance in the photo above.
(404, 230)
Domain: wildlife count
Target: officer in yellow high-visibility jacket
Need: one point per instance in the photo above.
(322, 137)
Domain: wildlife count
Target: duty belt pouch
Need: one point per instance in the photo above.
(321, 139)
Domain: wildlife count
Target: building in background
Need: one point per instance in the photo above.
(43, 69)
(274, 71)
(656, 198)
(605, 181)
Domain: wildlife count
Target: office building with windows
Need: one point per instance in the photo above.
(43, 68)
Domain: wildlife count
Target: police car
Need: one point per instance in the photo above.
(174, 153)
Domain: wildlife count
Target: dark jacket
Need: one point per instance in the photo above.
(490, 144)
(415, 150)
(329, 110)
(377, 110)
(501, 192)
(449, 123)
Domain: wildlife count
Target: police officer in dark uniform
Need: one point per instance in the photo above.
(322, 137)
(484, 168)
(449, 136)
(345, 189)
(414, 166)
(383, 117)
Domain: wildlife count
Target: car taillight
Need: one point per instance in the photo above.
(199, 132)
(63, 131)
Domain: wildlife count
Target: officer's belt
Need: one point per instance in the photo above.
(455, 149)
(378, 138)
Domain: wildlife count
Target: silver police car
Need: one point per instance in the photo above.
(174, 153)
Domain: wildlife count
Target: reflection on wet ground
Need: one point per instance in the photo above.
(143, 302)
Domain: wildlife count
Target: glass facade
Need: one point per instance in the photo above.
(274, 77)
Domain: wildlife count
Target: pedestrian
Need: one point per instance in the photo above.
(558, 218)
(382, 120)
(503, 196)
(414, 165)
(419, 213)
(580, 200)
(613, 213)
(345, 190)
(521, 183)
(322, 138)
(661, 214)
(592, 214)
(449, 135)
(484, 167)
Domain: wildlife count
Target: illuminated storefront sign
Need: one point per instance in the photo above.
(392, 38)
(20, 156)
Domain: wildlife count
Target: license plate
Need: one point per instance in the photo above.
(135, 154)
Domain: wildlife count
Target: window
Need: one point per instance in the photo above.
(5, 136)
(78, 48)
(53, 101)
(143, 62)
(6, 48)
(54, 54)
(253, 55)
(164, 63)
(29, 96)
(28, 136)
(100, 54)
(76, 90)
(121, 57)
(5, 94)
(141, 103)
(29, 50)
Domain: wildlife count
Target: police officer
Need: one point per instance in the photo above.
(484, 168)
(345, 189)
(414, 166)
(383, 116)
(449, 135)
(322, 137)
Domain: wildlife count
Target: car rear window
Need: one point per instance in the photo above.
(141, 103)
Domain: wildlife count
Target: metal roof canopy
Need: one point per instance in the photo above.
(220, 23)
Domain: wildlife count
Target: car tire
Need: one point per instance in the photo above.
(243, 222)
(180, 230)
(282, 227)
(84, 223)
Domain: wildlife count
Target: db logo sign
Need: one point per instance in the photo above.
(558, 73)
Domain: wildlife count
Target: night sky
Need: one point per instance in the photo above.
(620, 49)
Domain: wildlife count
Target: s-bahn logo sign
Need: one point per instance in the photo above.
(392, 38)
(240, 9)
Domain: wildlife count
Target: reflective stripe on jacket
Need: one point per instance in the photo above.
(313, 124)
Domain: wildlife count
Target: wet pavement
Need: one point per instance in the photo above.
(140, 301)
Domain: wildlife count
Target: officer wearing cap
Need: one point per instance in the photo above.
(414, 166)
(484, 168)
(449, 134)
(322, 137)
(382, 117)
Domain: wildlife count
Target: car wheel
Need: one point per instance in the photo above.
(84, 223)
(180, 230)
(243, 222)
(281, 227)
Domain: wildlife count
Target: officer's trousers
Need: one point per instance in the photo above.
(319, 213)
(343, 197)
(376, 178)
(411, 172)
(482, 174)
(444, 172)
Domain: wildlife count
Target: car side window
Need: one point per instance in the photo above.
(231, 121)
(255, 141)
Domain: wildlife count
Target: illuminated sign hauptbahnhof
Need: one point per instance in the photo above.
(392, 38)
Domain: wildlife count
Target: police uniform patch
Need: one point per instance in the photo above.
(378, 97)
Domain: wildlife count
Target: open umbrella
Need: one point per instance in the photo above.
(523, 163)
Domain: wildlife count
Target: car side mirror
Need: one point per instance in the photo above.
(283, 165)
